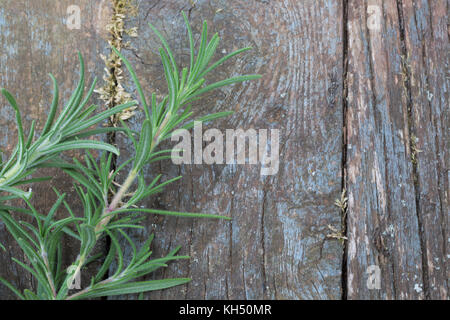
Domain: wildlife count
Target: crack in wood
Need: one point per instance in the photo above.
(406, 77)
(345, 45)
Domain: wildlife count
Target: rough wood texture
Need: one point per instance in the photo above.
(276, 245)
(382, 224)
(426, 41)
(36, 41)
(359, 90)
(397, 209)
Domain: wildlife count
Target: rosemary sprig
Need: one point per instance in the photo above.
(68, 132)
(102, 217)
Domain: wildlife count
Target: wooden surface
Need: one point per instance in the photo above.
(355, 99)
(382, 221)
(398, 208)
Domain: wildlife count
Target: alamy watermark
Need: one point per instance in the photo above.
(73, 17)
(374, 277)
(74, 282)
(374, 18)
(228, 148)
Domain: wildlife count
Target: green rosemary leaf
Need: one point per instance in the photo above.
(124, 226)
(94, 132)
(170, 77)
(53, 210)
(176, 121)
(205, 119)
(156, 159)
(139, 191)
(132, 245)
(172, 213)
(38, 275)
(106, 264)
(75, 98)
(91, 163)
(54, 106)
(114, 174)
(184, 74)
(10, 163)
(185, 97)
(12, 288)
(88, 239)
(154, 110)
(145, 145)
(36, 217)
(55, 229)
(33, 180)
(79, 127)
(224, 83)
(31, 134)
(149, 266)
(191, 41)
(31, 228)
(13, 103)
(90, 182)
(135, 287)
(201, 54)
(94, 258)
(57, 265)
(82, 144)
(84, 115)
(169, 52)
(158, 188)
(17, 192)
(78, 108)
(7, 198)
(145, 249)
(29, 295)
(210, 50)
(130, 134)
(222, 60)
(119, 251)
(136, 82)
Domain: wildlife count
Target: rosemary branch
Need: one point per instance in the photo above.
(94, 179)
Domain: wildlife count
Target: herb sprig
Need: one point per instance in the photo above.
(66, 132)
(95, 181)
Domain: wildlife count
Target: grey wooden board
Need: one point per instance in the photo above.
(275, 247)
(347, 98)
(426, 41)
(398, 211)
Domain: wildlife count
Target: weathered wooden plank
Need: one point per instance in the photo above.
(276, 245)
(426, 41)
(382, 223)
(35, 41)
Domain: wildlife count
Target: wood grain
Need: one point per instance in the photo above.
(426, 41)
(276, 246)
(359, 92)
(382, 224)
(398, 193)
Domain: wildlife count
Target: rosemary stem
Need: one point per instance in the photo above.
(48, 272)
(120, 194)
(115, 201)
(10, 173)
